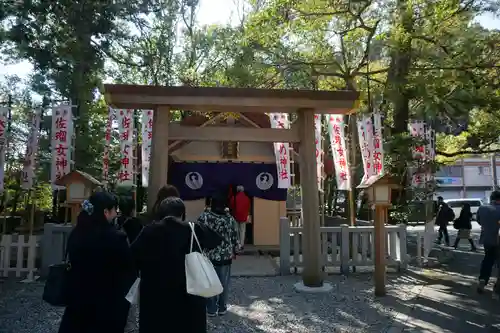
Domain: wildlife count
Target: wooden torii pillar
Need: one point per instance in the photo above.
(158, 173)
(312, 275)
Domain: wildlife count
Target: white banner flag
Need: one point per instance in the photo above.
(336, 131)
(378, 146)
(4, 119)
(125, 119)
(417, 130)
(147, 137)
(107, 142)
(281, 150)
(365, 135)
(28, 173)
(319, 149)
(430, 150)
(61, 140)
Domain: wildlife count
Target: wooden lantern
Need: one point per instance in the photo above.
(379, 189)
(79, 186)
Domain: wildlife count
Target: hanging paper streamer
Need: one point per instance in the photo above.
(336, 131)
(61, 140)
(281, 150)
(319, 149)
(28, 173)
(4, 118)
(125, 119)
(417, 130)
(147, 138)
(378, 146)
(107, 143)
(365, 134)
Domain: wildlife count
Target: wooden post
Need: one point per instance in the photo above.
(380, 245)
(159, 153)
(32, 212)
(312, 275)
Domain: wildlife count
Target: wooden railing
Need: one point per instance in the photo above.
(18, 255)
(343, 247)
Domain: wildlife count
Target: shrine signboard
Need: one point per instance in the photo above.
(230, 150)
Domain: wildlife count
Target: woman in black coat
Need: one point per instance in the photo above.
(464, 225)
(101, 271)
(159, 251)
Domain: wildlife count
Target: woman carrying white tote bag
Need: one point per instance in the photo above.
(201, 278)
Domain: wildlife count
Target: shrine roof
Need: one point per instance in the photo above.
(77, 174)
(229, 99)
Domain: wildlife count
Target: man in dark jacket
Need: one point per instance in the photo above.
(444, 215)
(488, 216)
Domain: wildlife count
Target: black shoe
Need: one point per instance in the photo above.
(480, 286)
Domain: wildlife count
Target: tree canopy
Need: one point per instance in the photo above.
(428, 60)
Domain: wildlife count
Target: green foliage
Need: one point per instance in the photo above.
(410, 59)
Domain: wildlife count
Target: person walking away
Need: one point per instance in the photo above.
(464, 225)
(219, 220)
(240, 207)
(488, 216)
(132, 227)
(444, 215)
(159, 252)
(129, 224)
(101, 270)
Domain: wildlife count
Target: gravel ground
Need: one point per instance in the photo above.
(269, 305)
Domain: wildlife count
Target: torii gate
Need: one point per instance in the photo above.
(305, 103)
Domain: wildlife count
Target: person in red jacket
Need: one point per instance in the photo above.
(240, 207)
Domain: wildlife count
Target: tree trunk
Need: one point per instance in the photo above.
(401, 56)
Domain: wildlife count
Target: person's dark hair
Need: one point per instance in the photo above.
(440, 198)
(466, 211)
(126, 205)
(495, 196)
(171, 207)
(164, 192)
(218, 203)
(93, 208)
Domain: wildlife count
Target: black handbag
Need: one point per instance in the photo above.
(56, 288)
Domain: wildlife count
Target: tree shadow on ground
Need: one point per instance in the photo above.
(449, 302)
(416, 300)
(349, 307)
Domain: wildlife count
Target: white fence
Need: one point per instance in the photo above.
(342, 247)
(18, 255)
(425, 243)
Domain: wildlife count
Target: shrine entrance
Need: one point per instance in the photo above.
(305, 104)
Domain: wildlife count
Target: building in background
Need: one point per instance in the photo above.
(468, 178)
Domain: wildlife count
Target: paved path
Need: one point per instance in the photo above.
(447, 300)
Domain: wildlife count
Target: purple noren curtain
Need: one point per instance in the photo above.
(199, 180)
